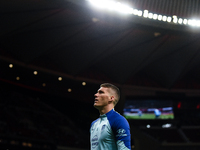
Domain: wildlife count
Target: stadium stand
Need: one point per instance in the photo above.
(29, 123)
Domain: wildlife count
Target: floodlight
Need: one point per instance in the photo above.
(155, 16)
(175, 19)
(139, 13)
(164, 18)
(185, 21)
(169, 19)
(180, 20)
(150, 15)
(135, 12)
(125, 9)
(113, 5)
(190, 22)
(145, 14)
(160, 17)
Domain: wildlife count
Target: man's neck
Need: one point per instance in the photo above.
(105, 110)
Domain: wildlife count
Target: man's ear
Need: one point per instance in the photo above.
(112, 98)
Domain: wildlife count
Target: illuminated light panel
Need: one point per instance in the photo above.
(59, 78)
(18, 78)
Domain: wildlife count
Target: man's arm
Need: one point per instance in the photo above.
(122, 134)
(121, 130)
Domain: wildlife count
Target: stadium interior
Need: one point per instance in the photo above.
(54, 55)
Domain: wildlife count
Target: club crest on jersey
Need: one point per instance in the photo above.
(103, 127)
(121, 132)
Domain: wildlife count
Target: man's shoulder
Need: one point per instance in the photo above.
(94, 121)
(114, 116)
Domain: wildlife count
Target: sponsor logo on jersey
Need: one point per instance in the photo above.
(121, 132)
(95, 142)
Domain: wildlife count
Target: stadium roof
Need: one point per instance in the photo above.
(74, 41)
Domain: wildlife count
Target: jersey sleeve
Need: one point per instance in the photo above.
(121, 130)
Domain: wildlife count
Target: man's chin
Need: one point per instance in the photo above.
(96, 106)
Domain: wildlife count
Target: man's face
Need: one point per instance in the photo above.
(102, 97)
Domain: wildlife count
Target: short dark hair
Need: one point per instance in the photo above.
(115, 89)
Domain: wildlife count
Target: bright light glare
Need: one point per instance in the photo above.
(198, 23)
(190, 22)
(97, 3)
(139, 13)
(135, 11)
(185, 21)
(194, 22)
(113, 6)
(124, 9)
